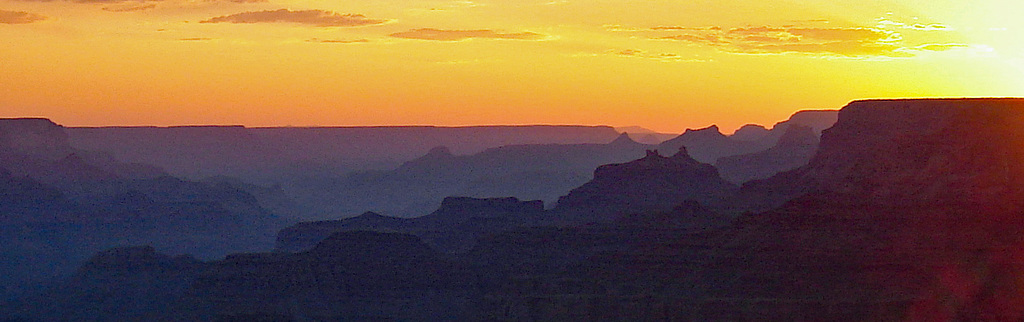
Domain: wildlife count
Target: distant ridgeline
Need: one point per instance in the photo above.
(662, 217)
(333, 172)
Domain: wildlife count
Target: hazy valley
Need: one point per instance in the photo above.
(903, 209)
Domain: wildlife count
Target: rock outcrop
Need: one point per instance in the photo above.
(652, 183)
(709, 144)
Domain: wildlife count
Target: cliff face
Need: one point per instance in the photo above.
(962, 150)
(903, 203)
(708, 144)
(912, 152)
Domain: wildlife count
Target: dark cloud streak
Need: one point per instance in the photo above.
(457, 35)
(19, 17)
(130, 8)
(319, 18)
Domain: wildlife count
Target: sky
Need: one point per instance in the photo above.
(661, 64)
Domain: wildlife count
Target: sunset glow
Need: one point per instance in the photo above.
(664, 65)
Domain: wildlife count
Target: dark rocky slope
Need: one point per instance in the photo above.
(453, 227)
(349, 276)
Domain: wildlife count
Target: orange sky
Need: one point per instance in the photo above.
(665, 65)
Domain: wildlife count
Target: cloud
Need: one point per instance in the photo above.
(707, 39)
(195, 39)
(664, 57)
(842, 34)
(456, 35)
(94, 1)
(130, 8)
(685, 28)
(319, 18)
(755, 30)
(940, 47)
(847, 41)
(338, 41)
(19, 17)
(884, 22)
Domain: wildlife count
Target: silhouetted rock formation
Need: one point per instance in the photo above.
(794, 149)
(652, 183)
(451, 228)
(709, 144)
(542, 172)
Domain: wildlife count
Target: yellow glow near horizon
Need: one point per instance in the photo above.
(664, 65)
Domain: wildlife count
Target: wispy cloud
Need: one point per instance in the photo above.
(457, 35)
(130, 8)
(92, 1)
(196, 39)
(319, 18)
(830, 41)
(19, 17)
(888, 23)
(338, 41)
(664, 57)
